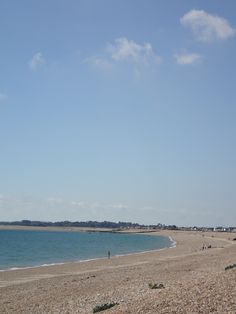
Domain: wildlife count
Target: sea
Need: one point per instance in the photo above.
(29, 248)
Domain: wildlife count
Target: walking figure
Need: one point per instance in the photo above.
(109, 254)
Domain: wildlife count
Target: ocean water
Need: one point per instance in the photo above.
(26, 248)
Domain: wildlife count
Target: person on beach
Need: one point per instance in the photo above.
(109, 254)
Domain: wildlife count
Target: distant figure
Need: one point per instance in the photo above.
(109, 254)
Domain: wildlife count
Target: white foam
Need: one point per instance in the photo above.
(174, 243)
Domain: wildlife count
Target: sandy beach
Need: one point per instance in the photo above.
(195, 281)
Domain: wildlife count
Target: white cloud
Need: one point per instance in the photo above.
(37, 61)
(98, 205)
(99, 62)
(79, 204)
(118, 206)
(125, 50)
(128, 50)
(207, 27)
(54, 200)
(188, 58)
(3, 96)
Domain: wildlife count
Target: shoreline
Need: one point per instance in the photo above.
(184, 270)
(162, 233)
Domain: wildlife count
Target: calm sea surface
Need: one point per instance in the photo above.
(25, 248)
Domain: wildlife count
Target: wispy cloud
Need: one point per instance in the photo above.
(118, 206)
(124, 49)
(98, 205)
(80, 204)
(55, 200)
(207, 27)
(188, 58)
(3, 96)
(99, 62)
(37, 61)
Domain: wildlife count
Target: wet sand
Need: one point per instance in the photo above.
(194, 279)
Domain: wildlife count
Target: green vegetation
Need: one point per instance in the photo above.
(156, 286)
(89, 224)
(230, 266)
(103, 307)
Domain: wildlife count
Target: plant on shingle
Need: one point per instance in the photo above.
(156, 286)
(103, 307)
(230, 266)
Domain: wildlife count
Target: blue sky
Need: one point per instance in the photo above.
(118, 110)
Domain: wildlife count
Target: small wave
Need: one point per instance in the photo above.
(173, 243)
(30, 267)
(53, 264)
